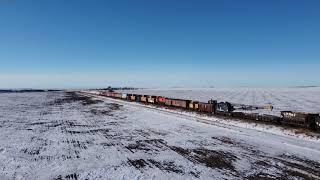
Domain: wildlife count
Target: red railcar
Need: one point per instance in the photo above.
(206, 107)
(161, 99)
(179, 103)
(168, 102)
(118, 95)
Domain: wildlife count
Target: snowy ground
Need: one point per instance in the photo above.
(59, 135)
(292, 99)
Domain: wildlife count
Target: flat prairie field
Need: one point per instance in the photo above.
(67, 135)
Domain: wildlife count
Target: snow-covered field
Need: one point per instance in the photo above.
(57, 135)
(292, 99)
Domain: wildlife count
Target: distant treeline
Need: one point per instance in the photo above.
(118, 88)
(305, 86)
(26, 90)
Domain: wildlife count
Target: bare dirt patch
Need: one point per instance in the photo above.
(34, 151)
(148, 146)
(167, 166)
(71, 97)
(298, 167)
(78, 144)
(288, 167)
(138, 163)
(225, 140)
(210, 158)
(73, 176)
(90, 131)
(285, 166)
(110, 108)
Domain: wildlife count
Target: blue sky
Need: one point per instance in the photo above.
(63, 44)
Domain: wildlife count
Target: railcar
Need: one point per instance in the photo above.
(118, 95)
(133, 97)
(143, 98)
(251, 116)
(179, 103)
(124, 96)
(104, 93)
(151, 99)
(110, 94)
(194, 105)
(138, 97)
(128, 97)
(206, 107)
(224, 107)
(301, 119)
(223, 113)
(160, 100)
(317, 124)
(239, 115)
(269, 118)
(168, 102)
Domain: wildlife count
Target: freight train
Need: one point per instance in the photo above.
(226, 109)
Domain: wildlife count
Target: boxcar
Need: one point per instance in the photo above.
(124, 96)
(168, 102)
(111, 94)
(206, 107)
(179, 103)
(106, 94)
(114, 94)
(299, 119)
(118, 95)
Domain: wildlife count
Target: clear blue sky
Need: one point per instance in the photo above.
(149, 43)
